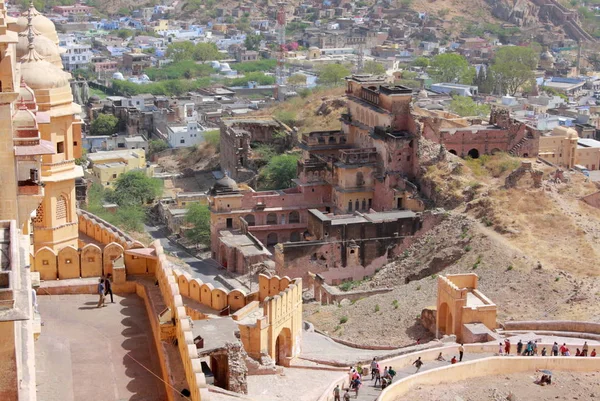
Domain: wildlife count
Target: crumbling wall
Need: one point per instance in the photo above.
(237, 373)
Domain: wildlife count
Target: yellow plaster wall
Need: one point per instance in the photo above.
(68, 263)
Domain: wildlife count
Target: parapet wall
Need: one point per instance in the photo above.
(169, 289)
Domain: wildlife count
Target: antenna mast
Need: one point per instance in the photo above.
(281, 51)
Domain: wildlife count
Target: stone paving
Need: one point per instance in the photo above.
(83, 352)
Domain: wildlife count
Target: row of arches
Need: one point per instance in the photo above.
(292, 218)
(273, 238)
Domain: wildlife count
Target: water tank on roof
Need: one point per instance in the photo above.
(118, 76)
(215, 64)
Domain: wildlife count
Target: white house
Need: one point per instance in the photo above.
(188, 134)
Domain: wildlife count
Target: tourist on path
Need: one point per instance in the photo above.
(377, 375)
(356, 383)
(108, 287)
(535, 347)
(544, 351)
(453, 360)
(507, 346)
(374, 366)
(101, 293)
(461, 352)
(584, 350)
(347, 395)
(336, 393)
(500, 349)
(519, 347)
(440, 358)
(593, 352)
(555, 349)
(418, 363)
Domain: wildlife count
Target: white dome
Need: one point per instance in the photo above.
(118, 76)
(42, 24)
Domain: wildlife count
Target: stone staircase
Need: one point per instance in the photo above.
(514, 151)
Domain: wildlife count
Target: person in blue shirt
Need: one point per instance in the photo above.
(101, 293)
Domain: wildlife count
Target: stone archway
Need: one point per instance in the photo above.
(473, 153)
(442, 317)
(272, 239)
(453, 152)
(250, 220)
(283, 346)
(271, 219)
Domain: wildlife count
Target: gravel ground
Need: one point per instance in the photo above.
(565, 386)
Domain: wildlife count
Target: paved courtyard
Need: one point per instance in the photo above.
(83, 353)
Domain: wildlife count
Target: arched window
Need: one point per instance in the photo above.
(250, 220)
(356, 205)
(360, 179)
(272, 239)
(364, 204)
(294, 217)
(349, 205)
(271, 218)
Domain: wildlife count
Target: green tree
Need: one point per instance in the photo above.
(135, 188)
(279, 172)
(207, 52)
(373, 67)
(513, 67)
(124, 33)
(85, 74)
(466, 107)
(213, 138)
(332, 74)
(450, 67)
(104, 124)
(297, 79)
(421, 62)
(156, 146)
(179, 51)
(198, 216)
(252, 41)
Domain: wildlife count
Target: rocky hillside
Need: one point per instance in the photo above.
(534, 249)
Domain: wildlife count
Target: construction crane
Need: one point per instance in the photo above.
(280, 77)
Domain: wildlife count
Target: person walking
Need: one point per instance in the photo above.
(336, 393)
(347, 395)
(584, 350)
(108, 287)
(377, 376)
(418, 363)
(519, 347)
(507, 346)
(374, 366)
(500, 349)
(101, 293)
(461, 352)
(555, 349)
(535, 348)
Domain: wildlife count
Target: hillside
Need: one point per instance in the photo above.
(534, 249)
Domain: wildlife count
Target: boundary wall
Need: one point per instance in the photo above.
(406, 360)
(496, 365)
(554, 325)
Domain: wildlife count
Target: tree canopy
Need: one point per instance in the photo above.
(180, 51)
(513, 67)
(332, 74)
(252, 41)
(198, 216)
(450, 67)
(279, 172)
(297, 79)
(373, 67)
(135, 188)
(156, 146)
(104, 124)
(421, 62)
(185, 69)
(466, 107)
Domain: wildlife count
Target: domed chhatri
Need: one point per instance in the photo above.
(43, 46)
(39, 73)
(227, 182)
(42, 24)
(26, 96)
(24, 119)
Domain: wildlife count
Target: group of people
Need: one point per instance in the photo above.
(383, 378)
(355, 376)
(531, 349)
(105, 288)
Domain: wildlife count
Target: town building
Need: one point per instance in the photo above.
(76, 55)
(188, 134)
(565, 148)
(106, 167)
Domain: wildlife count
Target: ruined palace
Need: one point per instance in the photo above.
(353, 205)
